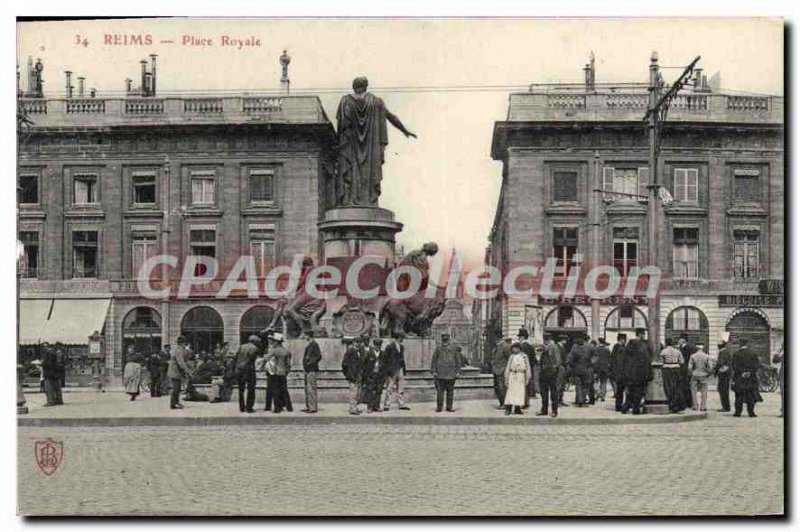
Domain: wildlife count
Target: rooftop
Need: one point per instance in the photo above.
(624, 103)
(167, 110)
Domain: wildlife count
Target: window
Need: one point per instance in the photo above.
(625, 318)
(626, 184)
(565, 245)
(203, 187)
(565, 187)
(84, 254)
(202, 243)
(261, 182)
(30, 243)
(28, 191)
(143, 247)
(85, 189)
(685, 253)
(685, 185)
(746, 253)
(746, 186)
(626, 247)
(144, 188)
(262, 248)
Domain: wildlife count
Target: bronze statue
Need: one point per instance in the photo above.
(362, 135)
(414, 315)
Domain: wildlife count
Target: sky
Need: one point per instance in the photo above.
(443, 186)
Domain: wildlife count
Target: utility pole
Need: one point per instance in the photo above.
(656, 116)
(597, 204)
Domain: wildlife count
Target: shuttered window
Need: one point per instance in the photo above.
(685, 185)
(746, 186)
(626, 184)
(565, 186)
(261, 185)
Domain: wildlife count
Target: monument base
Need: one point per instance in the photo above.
(359, 231)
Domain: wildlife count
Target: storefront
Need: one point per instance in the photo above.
(66, 324)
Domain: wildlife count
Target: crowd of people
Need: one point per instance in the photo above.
(548, 369)
(375, 370)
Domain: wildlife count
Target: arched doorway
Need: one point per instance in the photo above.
(255, 320)
(689, 321)
(203, 329)
(567, 321)
(141, 332)
(750, 324)
(625, 320)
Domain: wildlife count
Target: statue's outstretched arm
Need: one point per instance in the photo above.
(398, 124)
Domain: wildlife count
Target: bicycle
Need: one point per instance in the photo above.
(767, 378)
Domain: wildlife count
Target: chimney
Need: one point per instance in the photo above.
(149, 85)
(144, 77)
(81, 79)
(69, 83)
(92, 93)
(128, 82)
(153, 74)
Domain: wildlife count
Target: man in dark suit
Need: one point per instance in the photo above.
(394, 367)
(246, 373)
(617, 377)
(154, 369)
(745, 382)
(311, 359)
(580, 364)
(51, 371)
(722, 370)
(549, 369)
(352, 370)
(637, 371)
(371, 377)
(601, 362)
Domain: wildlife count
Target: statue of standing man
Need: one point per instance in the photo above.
(362, 135)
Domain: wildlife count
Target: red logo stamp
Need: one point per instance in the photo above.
(49, 454)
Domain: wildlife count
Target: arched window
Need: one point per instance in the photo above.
(141, 332)
(566, 321)
(751, 324)
(255, 320)
(689, 321)
(203, 329)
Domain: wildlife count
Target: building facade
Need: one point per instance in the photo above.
(575, 189)
(106, 183)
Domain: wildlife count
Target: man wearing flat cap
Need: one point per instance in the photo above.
(246, 373)
(500, 357)
(446, 367)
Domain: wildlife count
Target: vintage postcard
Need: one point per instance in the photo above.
(400, 267)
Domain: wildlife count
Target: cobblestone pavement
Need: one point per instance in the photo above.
(722, 465)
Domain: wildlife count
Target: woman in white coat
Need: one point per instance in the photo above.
(132, 377)
(518, 373)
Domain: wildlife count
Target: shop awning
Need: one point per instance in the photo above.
(33, 314)
(72, 321)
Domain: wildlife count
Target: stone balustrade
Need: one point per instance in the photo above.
(631, 105)
(103, 112)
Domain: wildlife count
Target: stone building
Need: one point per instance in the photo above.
(575, 172)
(105, 183)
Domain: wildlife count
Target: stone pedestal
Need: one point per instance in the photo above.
(358, 232)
